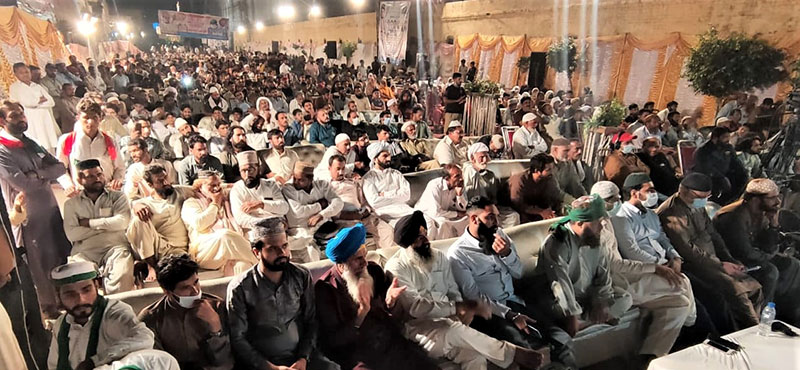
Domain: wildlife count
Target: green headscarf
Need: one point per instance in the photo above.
(579, 213)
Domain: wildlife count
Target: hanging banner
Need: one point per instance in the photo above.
(393, 30)
(202, 26)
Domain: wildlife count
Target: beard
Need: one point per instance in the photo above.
(94, 188)
(252, 182)
(590, 238)
(280, 264)
(412, 137)
(423, 256)
(239, 145)
(165, 192)
(360, 96)
(81, 312)
(354, 281)
(486, 238)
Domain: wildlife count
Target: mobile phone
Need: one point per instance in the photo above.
(726, 343)
(753, 268)
(533, 331)
(718, 346)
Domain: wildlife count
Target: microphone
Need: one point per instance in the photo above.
(783, 328)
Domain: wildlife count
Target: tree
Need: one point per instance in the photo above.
(720, 67)
(348, 48)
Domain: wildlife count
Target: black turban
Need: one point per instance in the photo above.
(406, 231)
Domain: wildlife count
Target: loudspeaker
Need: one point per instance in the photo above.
(330, 50)
(276, 47)
(538, 69)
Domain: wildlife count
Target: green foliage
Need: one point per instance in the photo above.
(563, 56)
(483, 87)
(611, 115)
(720, 67)
(348, 48)
(524, 63)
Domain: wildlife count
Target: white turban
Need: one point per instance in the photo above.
(376, 148)
(407, 125)
(340, 138)
(180, 122)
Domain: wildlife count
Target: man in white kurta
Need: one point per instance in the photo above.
(135, 187)
(527, 142)
(122, 339)
(280, 160)
(95, 223)
(341, 147)
(254, 198)
(38, 107)
(443, 200)
(452, 148)
(480, 181)
(387, 191)
(356, 206)
(215, 240)
(437, 317)
(312, 203)
(88, 142)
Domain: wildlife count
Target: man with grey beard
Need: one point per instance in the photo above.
(439, 318)
(358, 311)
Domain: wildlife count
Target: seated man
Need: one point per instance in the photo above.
(387, 191)
(341, 147)
(721, 281)
(114, 337)
(752, 235)
(254, 198)
(634, 233)
(358, 310)
(534, 193)
(416, 148)
(443, 201)
(452, 148)
(279, 159)
(198, 160)
(622, 161)
(157, 229)
(271, 311)
(438, 317)
(479, 181)
(218, 140)
(355, 206)
(215, 240)
(527, 142)
(190, 325)
(584, 170)
(135, 187)
(95, 223)
(665, 179)
(496, 145)
(579, 290)
(312, 203)
(485, 263)
(565, 172)
(383, 133)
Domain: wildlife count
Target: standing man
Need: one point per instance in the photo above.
(26, 166)
(97, 331)
(271, 309)
(95, 223)
(455, 97)
(39, 105)
(65, 108)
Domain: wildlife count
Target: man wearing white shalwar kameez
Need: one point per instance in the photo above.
(480, 181)
(387, 191)
(437, 317)
(341, 147)
(215, 240)
(38, 107)
(121, 339)
(443, 201)
(254, 198)
(312, 203)
(666, 295)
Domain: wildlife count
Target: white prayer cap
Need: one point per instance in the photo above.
(554, 101)
(391, 102)
(515, 89)
(549, 94)
(172, 90)
(762, 187)
(454, 123)
(476, 148)
(526, 95)
(180, 122)
(498, 140)
(340, 138)
(407, 125)
(723, 120)
(73, 272)
(605, 189)
(528, 117)
(247, 157)
(376, 148)
(213, 89)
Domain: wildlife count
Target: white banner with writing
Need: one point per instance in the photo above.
(393, 30)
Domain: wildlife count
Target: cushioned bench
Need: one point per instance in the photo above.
(592, 345)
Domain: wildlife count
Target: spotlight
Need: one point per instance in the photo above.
(259, 26)
(241, 30)
(358, 3)
(122, 27)
(314, 11)
(286, 11)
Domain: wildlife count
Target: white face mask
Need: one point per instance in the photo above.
(651, 201)
(188, 301)
(615, 208)
(355, 122)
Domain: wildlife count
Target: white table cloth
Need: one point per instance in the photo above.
(777, 351)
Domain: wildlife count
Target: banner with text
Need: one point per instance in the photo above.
(193, 25)
(393, 30)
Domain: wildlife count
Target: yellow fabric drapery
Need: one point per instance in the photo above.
(27, 33)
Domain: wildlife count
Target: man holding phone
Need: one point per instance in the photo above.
(484, 261)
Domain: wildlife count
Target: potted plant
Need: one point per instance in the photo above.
(608, 116)
(720, 66)
(563, 56)
(348, 48)
(482, 87)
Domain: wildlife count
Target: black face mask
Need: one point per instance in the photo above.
(486, 237)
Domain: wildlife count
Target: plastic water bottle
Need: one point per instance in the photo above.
(767, 317)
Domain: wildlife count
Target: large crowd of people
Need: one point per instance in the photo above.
(175, 162)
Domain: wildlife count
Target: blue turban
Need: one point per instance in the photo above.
(346, 243)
